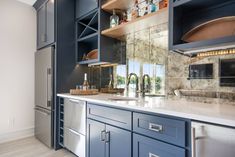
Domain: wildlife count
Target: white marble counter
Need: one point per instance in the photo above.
(212, 113)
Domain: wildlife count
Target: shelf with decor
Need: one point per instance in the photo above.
(138, 24)
(117, 4)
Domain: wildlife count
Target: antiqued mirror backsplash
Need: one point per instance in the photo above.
(147, 54)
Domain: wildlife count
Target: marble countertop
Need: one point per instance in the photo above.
(222, 114)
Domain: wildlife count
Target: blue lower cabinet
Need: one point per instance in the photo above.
(96, 146)
(119, 142)
(147, 147)
(107, 141)
(161, 128)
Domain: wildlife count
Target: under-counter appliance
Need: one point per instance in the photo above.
(75, 126)
(212, 141)
(44, 95)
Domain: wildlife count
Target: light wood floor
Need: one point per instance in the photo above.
(30, 147)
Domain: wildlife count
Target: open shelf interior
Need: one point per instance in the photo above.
(87, 25)
(194, 13)
(86, 35)
(137, 24)
(85, 46)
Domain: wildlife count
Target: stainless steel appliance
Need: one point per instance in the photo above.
(43, 95)
(212, 141)
(75, 126)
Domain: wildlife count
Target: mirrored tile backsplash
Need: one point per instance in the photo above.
(147, 53)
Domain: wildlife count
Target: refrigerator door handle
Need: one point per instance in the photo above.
(49, 87)
(42, 111)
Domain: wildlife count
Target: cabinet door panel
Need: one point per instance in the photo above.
(96, 147)
(83, 7)
(41, 27)
(147, 147)
(165, 129)
(50, 22)
(119, 142)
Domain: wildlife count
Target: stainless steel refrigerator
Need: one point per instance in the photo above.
(44, 95)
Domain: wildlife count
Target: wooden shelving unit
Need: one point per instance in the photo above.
(117, 4)
(137, 24)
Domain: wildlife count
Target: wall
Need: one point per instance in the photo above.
(17, 47)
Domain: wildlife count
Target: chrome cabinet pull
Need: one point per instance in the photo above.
(153, 155)
(155, 127)
(103, 135)
(193, 142)
(107, 137)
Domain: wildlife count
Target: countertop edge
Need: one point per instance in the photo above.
(193, 117)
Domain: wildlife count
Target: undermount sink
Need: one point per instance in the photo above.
(123, 99)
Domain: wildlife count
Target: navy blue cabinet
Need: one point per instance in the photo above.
(147, 147)
(90, 21)
(95, 139)
(45, 24)
(41, 26)
(107, 141)
(119, 142)
(165, 129)
(112, 116)
(186, 15)
(83, 7)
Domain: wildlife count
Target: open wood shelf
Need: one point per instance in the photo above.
(88, 61)
(117, 4)
(137, 24)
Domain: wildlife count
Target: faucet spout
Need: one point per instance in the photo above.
(136, 80)
(144, 89)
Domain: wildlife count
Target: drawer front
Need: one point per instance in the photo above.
(75, 142)
(147, 147)
(75, 115)
(111, 116)
(165, 129)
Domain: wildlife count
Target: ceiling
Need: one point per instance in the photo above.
(30, 2)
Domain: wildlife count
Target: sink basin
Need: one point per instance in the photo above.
(123, 99)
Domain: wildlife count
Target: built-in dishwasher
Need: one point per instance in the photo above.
(75, 126)
(212, 141)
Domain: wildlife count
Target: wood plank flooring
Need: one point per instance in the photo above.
(30, 147)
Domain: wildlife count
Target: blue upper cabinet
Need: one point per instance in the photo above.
(84, 7)
(193, 25)
(41, 26)
(45, 24)
(91, 46)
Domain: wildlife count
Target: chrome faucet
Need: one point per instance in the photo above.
(136, 81)
(143, 88)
